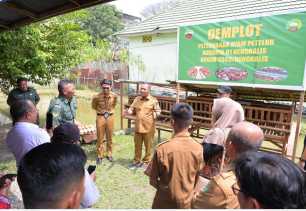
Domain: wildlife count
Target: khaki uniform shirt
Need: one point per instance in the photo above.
(174, 171)
(102, 103)
(226, 113)
(218, 194)
(62, 110)
(146, 111)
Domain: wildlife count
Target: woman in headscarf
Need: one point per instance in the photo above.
(225, 114)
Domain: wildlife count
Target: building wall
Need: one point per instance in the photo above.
(159, 57)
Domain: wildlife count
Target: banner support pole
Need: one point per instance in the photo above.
(298, 124)
(177, 92)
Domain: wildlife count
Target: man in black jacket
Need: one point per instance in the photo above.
(23, 92)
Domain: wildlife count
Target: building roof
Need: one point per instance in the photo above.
(131, 17)
(129, 20)
(191, 11)
(15, 13)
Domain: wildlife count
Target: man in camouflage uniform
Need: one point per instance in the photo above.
(63, 107)
(22, 92)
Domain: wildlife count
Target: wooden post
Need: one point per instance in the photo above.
(121, 105)
(158, 135)
(298, 124)
(177, 92)
(129, 124)
(137, 88)
(291, 137)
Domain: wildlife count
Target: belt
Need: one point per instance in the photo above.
(105, 114)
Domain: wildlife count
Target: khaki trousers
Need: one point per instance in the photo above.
(147, 139)
(104, 127)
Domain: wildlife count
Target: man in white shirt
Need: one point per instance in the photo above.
(25, 134)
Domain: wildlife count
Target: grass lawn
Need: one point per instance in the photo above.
(120, 187)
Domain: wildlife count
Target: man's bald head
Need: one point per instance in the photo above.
(144, 90)
(144, 86)
(245, 136)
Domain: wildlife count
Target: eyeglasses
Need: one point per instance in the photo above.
(236, 189)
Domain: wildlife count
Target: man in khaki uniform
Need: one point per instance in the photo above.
(147, 109)
(104, 103)
(218, 194)
(174, 168)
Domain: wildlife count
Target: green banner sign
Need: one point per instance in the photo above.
(267, 52)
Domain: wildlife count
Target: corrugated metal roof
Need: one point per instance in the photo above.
(15, 13)
(190, 11)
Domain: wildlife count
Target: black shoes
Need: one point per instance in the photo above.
(109, 158)
(99, 161)
(135, 165)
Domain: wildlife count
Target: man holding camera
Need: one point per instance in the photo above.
(104, 103)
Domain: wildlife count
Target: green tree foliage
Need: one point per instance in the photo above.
(103, 21)
(42, 51)
(102, 50)
(49, 49)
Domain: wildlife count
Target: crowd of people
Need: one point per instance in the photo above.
(224, 170)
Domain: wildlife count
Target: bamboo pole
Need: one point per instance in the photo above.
(298, 124)
(121, 105)
(177, 92)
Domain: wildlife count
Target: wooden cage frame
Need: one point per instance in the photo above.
(275, 122)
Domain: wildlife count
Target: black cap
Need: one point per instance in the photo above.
(106, 81)
(224, 89)
(66, 133)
